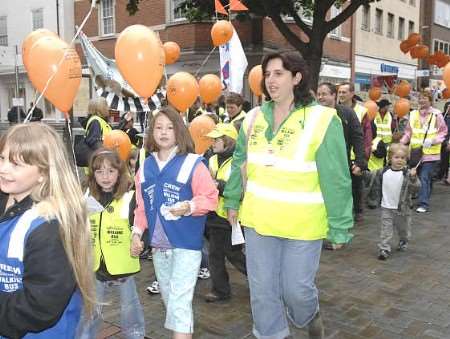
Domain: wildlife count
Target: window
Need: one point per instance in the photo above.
(38, 18)
(334, 11)
(390, 26)
(107, 17)
(442, 13)
(379, 21)
(365, 24)
(3, 31)
(412, 2)
(178, 13)
(436, 46)
(440, 45)
(401, 28)
(410, 27)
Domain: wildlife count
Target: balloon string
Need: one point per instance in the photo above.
(72, 149)
(28, 117)
(205, 61)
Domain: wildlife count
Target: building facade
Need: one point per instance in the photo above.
(257, 35)
(17, 19)
(378, 30)
(435, 24)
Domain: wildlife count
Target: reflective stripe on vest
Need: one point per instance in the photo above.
(418, 132)
(384, 127)
(360, 111)
(283, 196)
(111, 236)
(220, 173)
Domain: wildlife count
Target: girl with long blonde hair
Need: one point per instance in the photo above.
(45, 260)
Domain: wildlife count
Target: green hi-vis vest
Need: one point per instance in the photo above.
(360, 111)
(418, 132)
(375, 163)
(384, 127)
(220, 173)
(111, 238)
(105, 127)
(283, 196)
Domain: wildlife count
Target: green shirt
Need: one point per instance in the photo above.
(332, 167)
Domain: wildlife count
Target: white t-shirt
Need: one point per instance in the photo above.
(392, 185)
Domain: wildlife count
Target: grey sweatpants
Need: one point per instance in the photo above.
(391, 218)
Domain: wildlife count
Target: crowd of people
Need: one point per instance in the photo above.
(295, 174)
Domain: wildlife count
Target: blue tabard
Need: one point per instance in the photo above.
(167, 187)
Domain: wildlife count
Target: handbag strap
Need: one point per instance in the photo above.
(428, 127)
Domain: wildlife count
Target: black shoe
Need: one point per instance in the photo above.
(383, 254)
(315, 327)
(212, 297)
(402, 245)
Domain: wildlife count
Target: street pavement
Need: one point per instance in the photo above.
(407, 296)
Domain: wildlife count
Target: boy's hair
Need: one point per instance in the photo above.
(234, 98)
(398, 147)
(98, 106)
(98, 158)
(57, 197)
(182, 137)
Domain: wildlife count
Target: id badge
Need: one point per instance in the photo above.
(269, 159)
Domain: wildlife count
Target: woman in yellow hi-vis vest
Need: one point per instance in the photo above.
(97, 125)
(426, 129)
(296, 189)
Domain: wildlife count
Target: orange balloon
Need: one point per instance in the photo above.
(446, 93)
(375, 93)
(140, 59)
(446, 75)
(372, 108)
(405, 46)
(402, 89)
(198, 128)
(441, 59)
(401, 107)
(221, 32)
(414, 39)
(172, 52)
(414, 51)
(182, 90)
(421, 51)
(431, 60)
(210, 88)
(119, 141)
(255, 77)
(30, 39)
(44, 59)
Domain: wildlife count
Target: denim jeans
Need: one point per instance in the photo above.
(131, 314)
(177, 271)
(281, 274)
(426, 171)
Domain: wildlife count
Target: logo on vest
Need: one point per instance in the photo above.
(171, 193)
(10, 278)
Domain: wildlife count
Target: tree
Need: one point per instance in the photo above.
(315, 29)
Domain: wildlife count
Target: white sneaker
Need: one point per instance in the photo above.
(421, 209)
(153, 288)
(204, 274)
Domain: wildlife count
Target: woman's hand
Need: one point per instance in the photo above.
(137, 246)
(232, 216)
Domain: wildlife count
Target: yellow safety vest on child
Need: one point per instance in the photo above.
(111, 238)
(282, 194)
(220, 173)
(374, 162)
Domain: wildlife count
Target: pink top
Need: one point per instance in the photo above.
(205, 197)
(440, 136)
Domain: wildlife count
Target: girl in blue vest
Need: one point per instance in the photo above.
(174, 192)
(108, 183)
(45, 258)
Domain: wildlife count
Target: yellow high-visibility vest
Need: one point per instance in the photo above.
(360, 111)
(375, 163)
(111, 238)
(220, 173)
(384, 127)
(282, 195)
(104, 126)
(418, 132)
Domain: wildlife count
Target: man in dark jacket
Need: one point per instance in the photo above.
(37, 114)
(13, 113)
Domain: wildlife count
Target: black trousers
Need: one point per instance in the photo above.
(357, 192)
(220, 248)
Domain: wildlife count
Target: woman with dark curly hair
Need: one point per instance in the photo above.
(290, 166)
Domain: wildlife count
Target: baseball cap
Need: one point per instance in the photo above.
(223, 129)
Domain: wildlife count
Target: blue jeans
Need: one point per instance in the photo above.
(425, 175)
(131, 314)
(281, 274)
